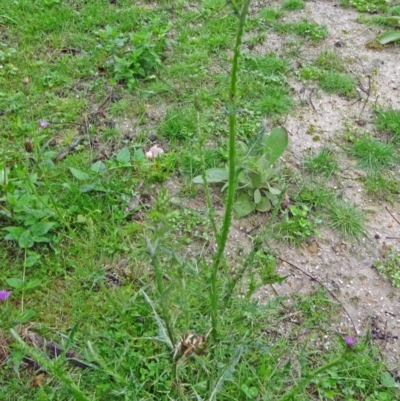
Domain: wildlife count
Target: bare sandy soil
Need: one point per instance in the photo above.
(346, 268)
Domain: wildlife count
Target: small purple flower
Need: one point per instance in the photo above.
(44, 123)
(4, 295)
(350, 341)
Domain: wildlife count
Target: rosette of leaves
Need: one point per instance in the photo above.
(257, 175)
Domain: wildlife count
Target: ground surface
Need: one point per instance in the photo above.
(345, 267)
(76, 129)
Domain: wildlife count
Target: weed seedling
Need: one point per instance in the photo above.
(296, 226)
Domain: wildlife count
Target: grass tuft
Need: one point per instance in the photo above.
(382, 185)
(389, 120)
(333, 82)
(315, 194)
(373, 155)
(347, 219)
(270, 14)
(293, 5)
(322, 163)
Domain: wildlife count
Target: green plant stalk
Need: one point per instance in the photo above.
(232, 178)
(303, 383)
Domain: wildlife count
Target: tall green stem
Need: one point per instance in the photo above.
(223, 236)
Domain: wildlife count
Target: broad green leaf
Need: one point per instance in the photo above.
(276, 143)
(98, 167)
(31, 259)
(26, 239)
(243, 178)
(139, 155)
(15, 233)
(41, 228)
(32, 284)
(47, 165)
(257, 196)
(23, 202)
(274, 191)
(388, 381)
(93, 186)
(395, 20)
(25, 316)
(264, 205)
(389, 37)
(79, 175)
(273, 198)
(255, 179)
(15, 283)
(243, 205)
(213, 175)
(123, 156)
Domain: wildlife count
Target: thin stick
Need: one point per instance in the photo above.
(309, 98)
(324, 286)
(394, 218)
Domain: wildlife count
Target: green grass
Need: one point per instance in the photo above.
(101, 259)
(315, 194)
(292, 5)
(389, 267)
(384, 185)
(341, 84)
(309, 30)
(389, 121)
(347, 218)
(370, 6)
(179, 123)
(270, 14)
(330, 61)
(322, 163)
(373, 155)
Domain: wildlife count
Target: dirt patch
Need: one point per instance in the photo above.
(344, 267)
